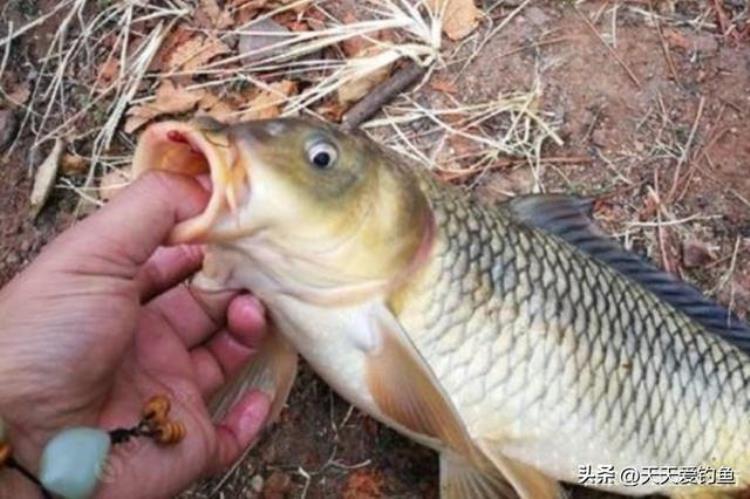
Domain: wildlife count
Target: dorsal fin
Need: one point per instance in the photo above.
(569, 218)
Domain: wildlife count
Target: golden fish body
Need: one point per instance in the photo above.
(558, 361)
(472, 328)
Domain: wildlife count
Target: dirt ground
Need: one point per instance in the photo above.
(659, 124)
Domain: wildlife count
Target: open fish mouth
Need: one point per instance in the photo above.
(191, 149)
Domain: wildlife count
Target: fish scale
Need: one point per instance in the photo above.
(532, 339)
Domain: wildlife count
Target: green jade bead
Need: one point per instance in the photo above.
(73, 460)
(3, 430)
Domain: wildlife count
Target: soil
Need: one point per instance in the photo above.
(633, 132)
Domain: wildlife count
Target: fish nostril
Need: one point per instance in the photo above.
(274, 128)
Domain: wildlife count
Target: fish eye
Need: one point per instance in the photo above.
(322, 154)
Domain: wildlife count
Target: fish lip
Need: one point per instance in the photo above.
(160, 137)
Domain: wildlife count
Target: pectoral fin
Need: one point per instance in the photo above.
(407, 392)
(460, 480)
(272, 370)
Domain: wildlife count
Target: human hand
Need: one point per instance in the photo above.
(100, 322)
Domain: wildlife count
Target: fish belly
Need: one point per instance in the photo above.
(336, 342)
(560, 362)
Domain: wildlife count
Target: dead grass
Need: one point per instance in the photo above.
(71, 104)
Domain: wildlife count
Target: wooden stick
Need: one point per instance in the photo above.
(667, 53)
(381, 95)
(612, 51)
(685, 157)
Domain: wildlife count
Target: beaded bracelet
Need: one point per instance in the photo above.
(77, 478)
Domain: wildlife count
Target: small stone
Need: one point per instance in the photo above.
(599, 138)
(12, 260)
(73, 460)
(3, 430)
(705, 43)
(263, 34)
(256, 484)
(536, 16)
(501, 186)
(8, 127)
(696, 253)
(277, 486)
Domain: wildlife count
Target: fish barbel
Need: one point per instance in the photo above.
(512, 338)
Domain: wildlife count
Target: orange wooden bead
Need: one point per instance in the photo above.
(170, 433)
(156, 409)
(6, 451)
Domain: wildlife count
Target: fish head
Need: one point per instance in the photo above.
(318, 207)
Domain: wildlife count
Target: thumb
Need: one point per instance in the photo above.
(241, 427)
(125, 232)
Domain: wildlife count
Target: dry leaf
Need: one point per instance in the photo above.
(245, 11)
(460, 17)
(195, 53)
(676, 39)
(176, 38)
(442, 85)
(169, 100)
(73, 164)
(216, 108)
(222, 112)
(108, 72)
(45, 177)
(352, 91)
(20, 94)
(356, 45)
(216, 17)
(331, 111)
(111, 183)
(267, 104)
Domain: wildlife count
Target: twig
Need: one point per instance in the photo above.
(726, 279)
(702, 153)
(381, 95)
(449, 175)
(475, 53)
(539, 44)
(612, 51)
(33, 24)
(666, 262)
(721, 17)
(667, 53)
(6, 55)
(686, 151)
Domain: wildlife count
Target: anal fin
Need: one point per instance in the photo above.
(271, 370)
(529, 482)
(461, 480)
